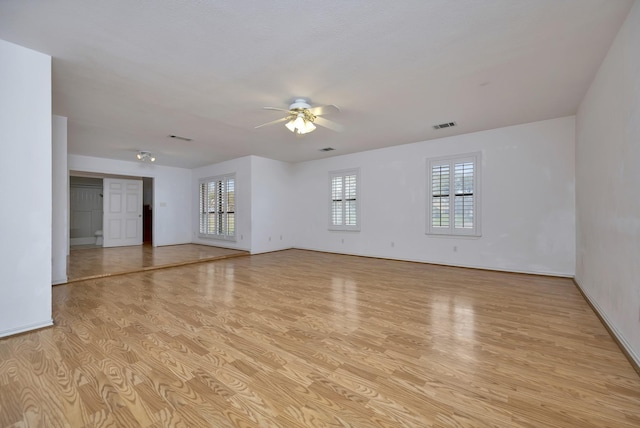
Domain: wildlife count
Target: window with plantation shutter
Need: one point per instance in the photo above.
(217, 207)
(344, 204)
(453, 186)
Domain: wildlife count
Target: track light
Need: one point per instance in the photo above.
(145, 156)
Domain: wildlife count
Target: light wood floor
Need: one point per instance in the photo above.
(90, 263)
(300, 339)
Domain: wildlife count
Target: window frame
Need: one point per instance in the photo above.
(224, 235)
(451, 161)
(344, 173)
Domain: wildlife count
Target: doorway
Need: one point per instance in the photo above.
(86, 208)
(147, 210)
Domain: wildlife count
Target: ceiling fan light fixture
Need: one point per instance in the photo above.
(290, 126)
(145, 156)
(309, 126)
(301, 117)
(300, 124)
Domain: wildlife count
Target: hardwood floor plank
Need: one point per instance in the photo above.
(299, 338)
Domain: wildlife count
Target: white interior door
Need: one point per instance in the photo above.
(122, 223)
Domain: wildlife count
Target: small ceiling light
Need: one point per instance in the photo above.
(145, 156)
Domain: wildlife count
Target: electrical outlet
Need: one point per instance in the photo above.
(393, 244)
(269, 239)
(281, 237)
(342, 240)
(455, 249)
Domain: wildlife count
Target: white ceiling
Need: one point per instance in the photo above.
(129, 73)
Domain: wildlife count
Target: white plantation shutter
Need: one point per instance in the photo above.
(464, 195)
(440, 197)
(337, 203)
(453, 195)
(344, 203)
(230, 219)
(203, 192)
(217, 207)
(350, 200)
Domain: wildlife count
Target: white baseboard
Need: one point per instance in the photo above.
(82, 241)
(441, 263)
(612, 328)
(25, 328)
(220, 243)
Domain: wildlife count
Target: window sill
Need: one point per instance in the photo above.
(218, 238)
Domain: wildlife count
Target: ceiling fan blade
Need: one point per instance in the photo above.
(276, 108)
(328, 124)
(320, 110)
(273, 122)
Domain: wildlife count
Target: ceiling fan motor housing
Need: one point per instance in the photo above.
(299, 104)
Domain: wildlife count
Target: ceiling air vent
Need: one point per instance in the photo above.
(444, 125)
(327, 149)
(177, 137)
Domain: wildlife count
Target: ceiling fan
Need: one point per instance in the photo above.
(301, 118)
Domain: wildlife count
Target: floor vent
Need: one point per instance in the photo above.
(444, 125)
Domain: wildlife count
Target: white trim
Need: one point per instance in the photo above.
(26, 328)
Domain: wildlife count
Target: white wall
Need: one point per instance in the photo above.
(271, 205)
(60, 206)
(608, 187)
(242, 168)
(172, 209)
(25, 186)
(527, 201)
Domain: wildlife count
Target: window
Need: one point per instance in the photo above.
(344, 211)
(454, 199)
(217, 207)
